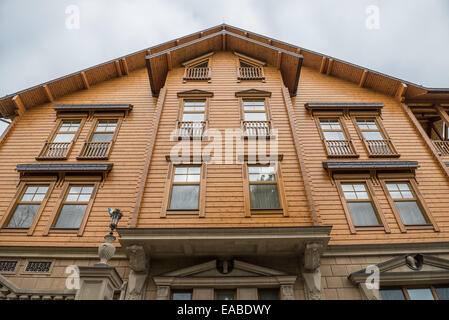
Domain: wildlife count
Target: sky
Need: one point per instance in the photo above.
(41, 40)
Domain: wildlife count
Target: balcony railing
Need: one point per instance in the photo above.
(197, 74)
(54, 151)
(381, 148)
(250, 73)
(95, 150)
(442, 147)
(190, 130)
(257, 128)
(340, 148)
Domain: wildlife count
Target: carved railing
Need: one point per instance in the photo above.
(256, 128)
(250, 73)
(340, 148)
(95, 150)
(442, 147)
(54, 150)
(380, 148)
(188, 129)
(197, 74)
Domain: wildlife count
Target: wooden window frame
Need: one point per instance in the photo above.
(24, 183)
(267, 113)
(195, 62)
(381, 129)
(335, 116)
(182, 101)
(201, 211)
(73, 181)
(249, 212)
(422, 286)
(372, 197)
(59, 121)
(97, 118)
(250, 61)
(384, 180)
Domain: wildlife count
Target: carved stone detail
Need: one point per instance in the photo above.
(137, 258)
(312, 256)
(136, 285)
(163, 293)
(369, 294)
(312, 285)
(106, 250)
(287, 292)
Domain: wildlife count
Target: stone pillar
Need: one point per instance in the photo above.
(137, 280)
(98, 282)
(311, 271)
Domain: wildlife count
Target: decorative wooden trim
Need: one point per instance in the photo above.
(281, 190)
(253, 93)
(302, 167)
(195, 94)
(19, 105)
(255, 157)
(330, 66)
(118, 68)
(246, 195)
(250, 60)
(146, 167)
(125, 66)
(198, 60)
(363, 78)
(76, 109)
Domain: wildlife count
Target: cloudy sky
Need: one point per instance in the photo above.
(411, 41)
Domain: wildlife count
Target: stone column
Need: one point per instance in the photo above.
(98, 282)
(137, 280)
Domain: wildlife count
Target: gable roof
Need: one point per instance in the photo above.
(49, 91)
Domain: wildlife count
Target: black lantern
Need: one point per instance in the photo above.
(115, 215)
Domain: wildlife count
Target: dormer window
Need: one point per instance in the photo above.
(198, 68)
(249, 68)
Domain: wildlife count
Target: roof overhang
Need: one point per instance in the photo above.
(333, 166)
(225, 242)
(160, 63)
(100, 169)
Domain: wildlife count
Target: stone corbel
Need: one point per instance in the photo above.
(311, 270)
(287, 292)
(312, 256)
(163, 293)
(139, 264)
(312, 285)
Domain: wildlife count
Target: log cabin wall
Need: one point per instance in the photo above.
(432, 180)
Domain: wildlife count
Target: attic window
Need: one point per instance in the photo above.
(249, 68)
(198, 68)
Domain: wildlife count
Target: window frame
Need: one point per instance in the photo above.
(93, 181)
(374, 202)
(381, 129)
(198, 61)
(201, 211)
(59, 121)
(97, 118)
(24, 183)
(181, 105)
(267, 111)
(318, 116)
(384, 180)
(252, 62)
(405, 289)
(249, 212)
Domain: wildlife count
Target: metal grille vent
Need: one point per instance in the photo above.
(38, 266)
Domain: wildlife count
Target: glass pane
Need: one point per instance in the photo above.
(392, 187)
(334, 135)
(193, 178)
(375, 135)
(180, 178)
(264, 196)
(193, 117)
(69, 126)
(410, 213)
(261, 174)
(392, 294)
(347, 187)
(363, 214)
(420, 294)
(64, 137)
(106, 126)
(255, 116)
(443, 293)
(254, 106)
(70, 216)
(225, 295)
(102, 137)
(182, 296)
(23, 216)
(268, 294)
(184, 197)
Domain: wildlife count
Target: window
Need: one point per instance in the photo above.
(359, 204)
(8, 266)
(101, 139)
(375, 138)
(27, 207)
(264, 193)
(182, 295)
(268, 294)
(198, 68)
(74, 206)
(415, 293)
(4, 124)
(38, 266)
(225, 295)
(185, 188)
(332, 129)
(335, 137)
(249, 68)
(60, 143)
(256, 118)
(254, 110)
(193, 110)
(406, 203)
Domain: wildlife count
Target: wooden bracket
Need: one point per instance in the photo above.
(85, 81)
(48, 93)
(19, 105)
(125, 66)
(363, 78)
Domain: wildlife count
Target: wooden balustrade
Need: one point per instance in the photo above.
(340, 148)
(380, 148)
(197, 74)
(442, 147)
(54, 151)
(256, 128)
(188, 129)
(95, 150)
(250, 73)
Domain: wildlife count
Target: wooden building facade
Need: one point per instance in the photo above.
(353, 178)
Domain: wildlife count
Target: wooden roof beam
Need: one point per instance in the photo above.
(330, 66)
(278, 59)
(48, 93)
(223, 42)
(363, 78)
(118, 68)
(402, 89)
(19, 105)
(125, 66)
(169, 61)
(323, 64)
(85, 81)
